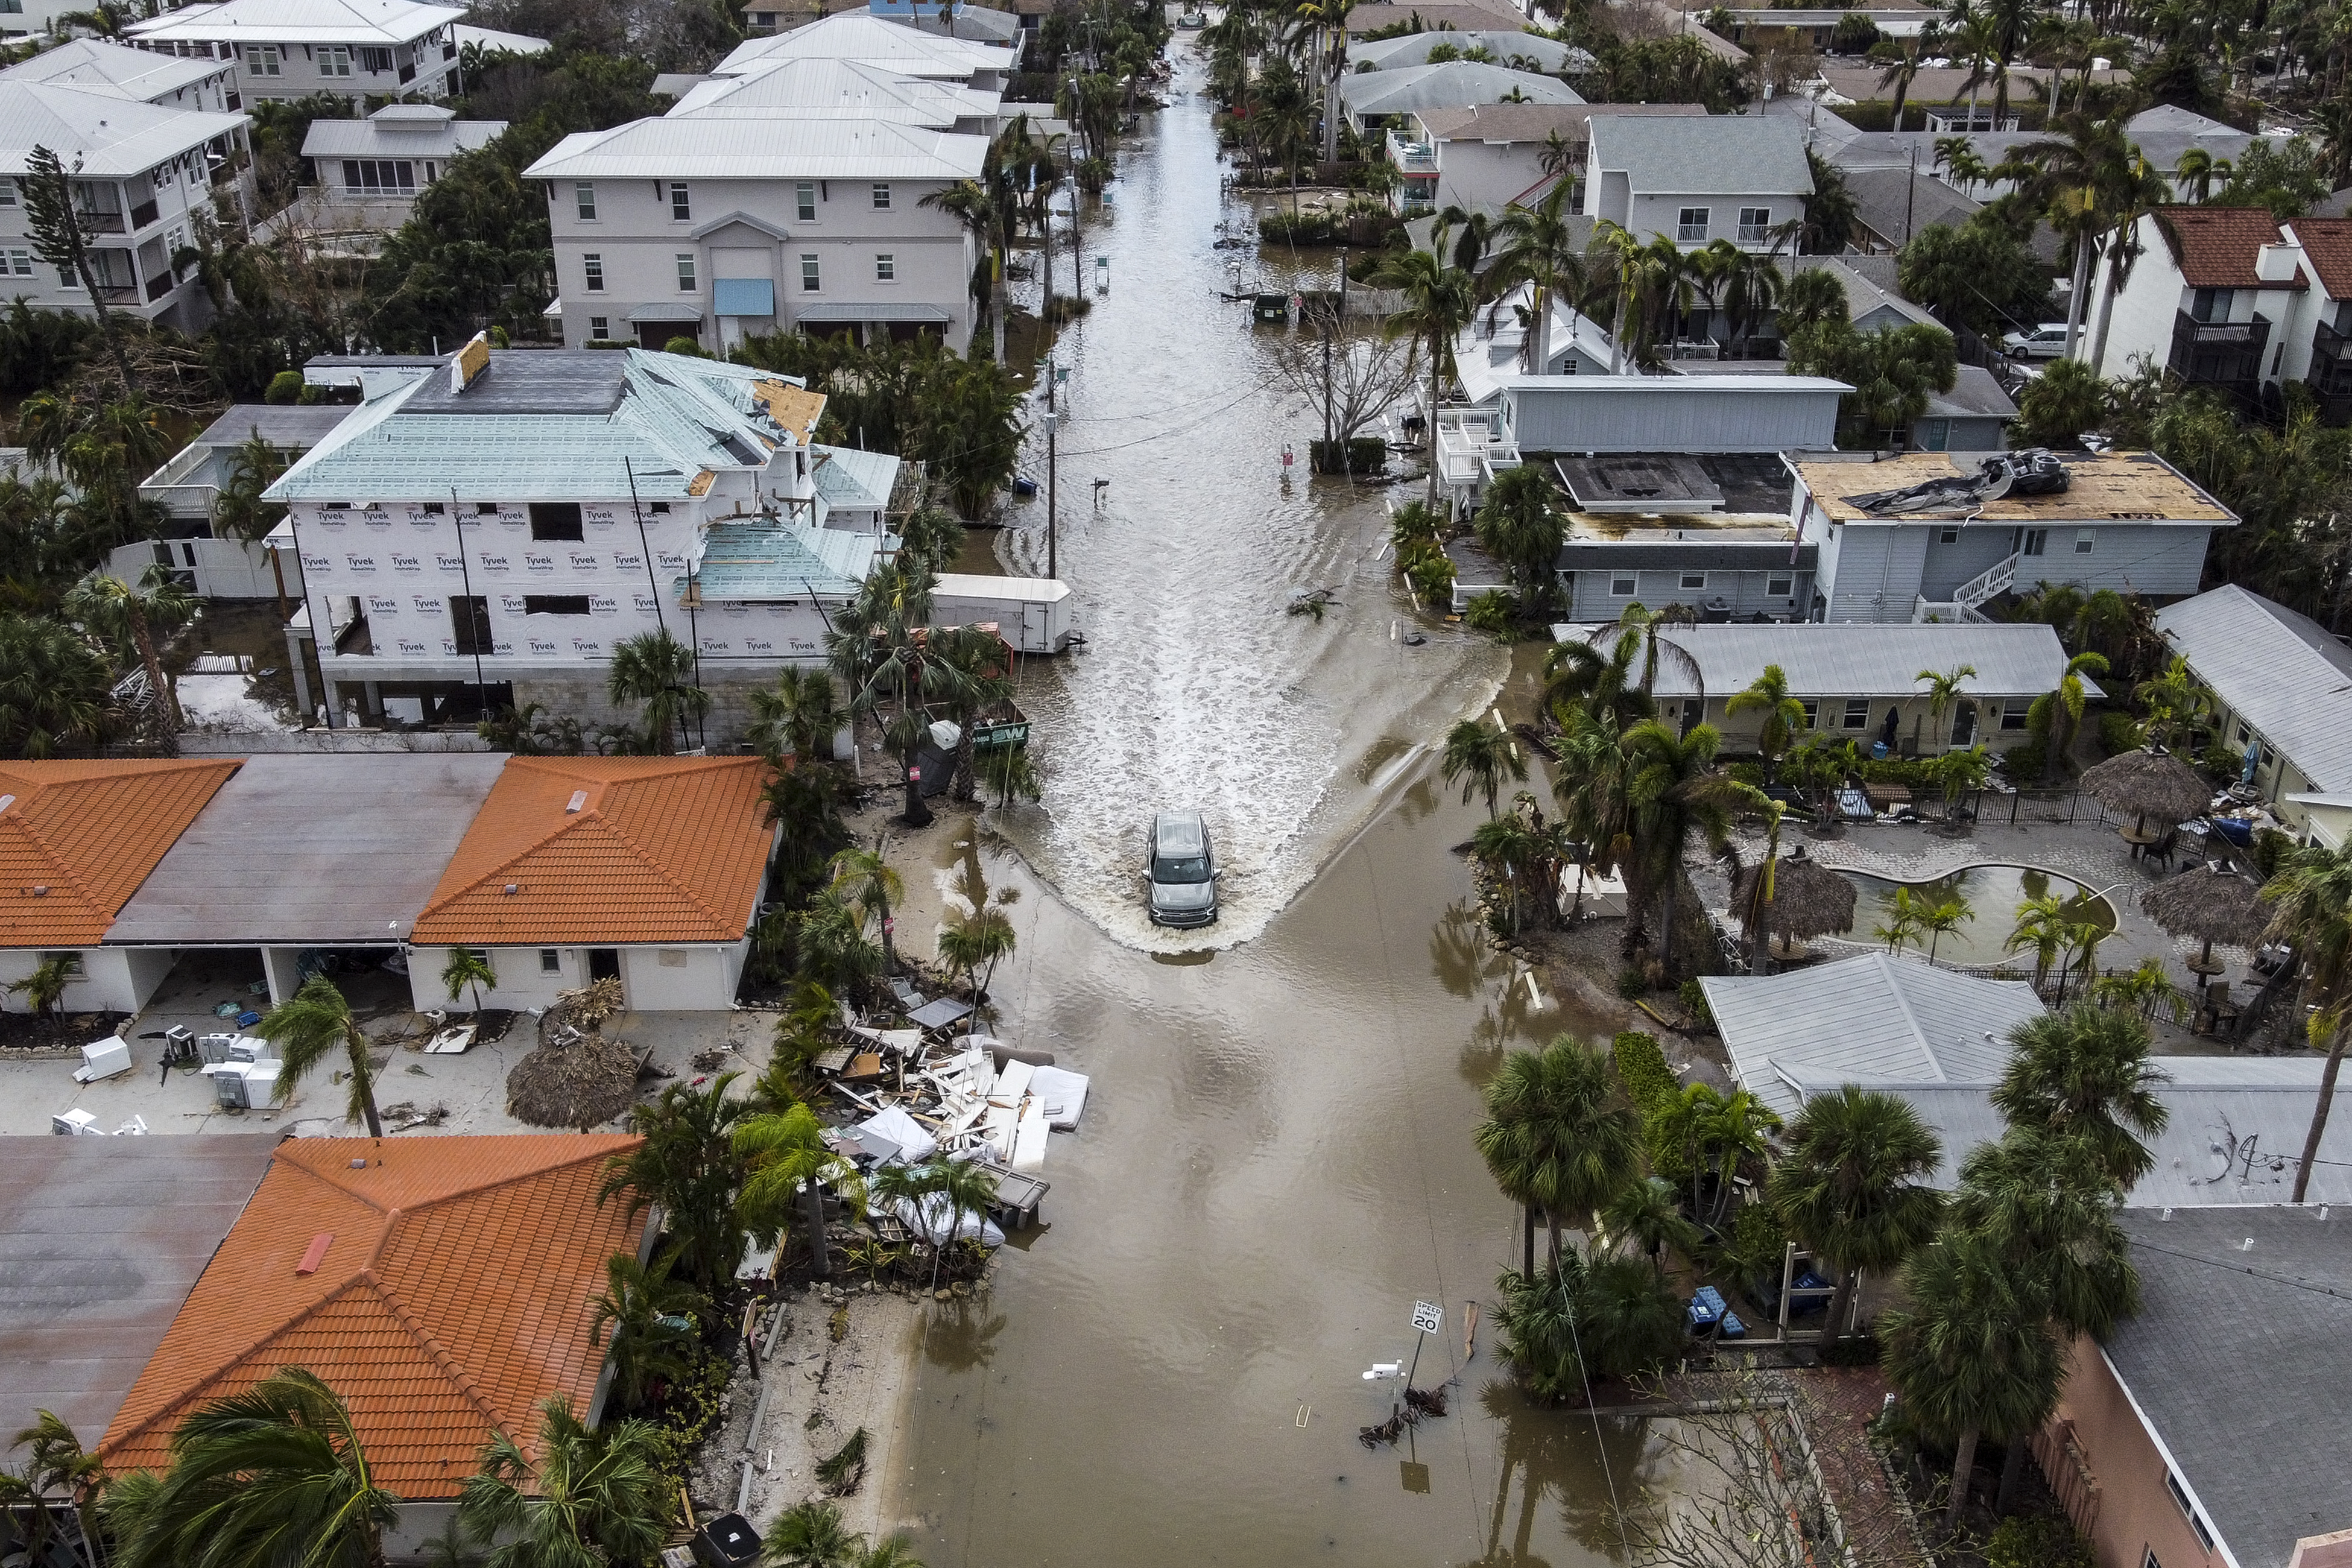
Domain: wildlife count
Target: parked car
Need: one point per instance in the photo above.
(1182, 870)
(2047, 341)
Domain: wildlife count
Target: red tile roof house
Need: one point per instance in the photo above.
(2234, 300)
(441, 1285)
(649, 868)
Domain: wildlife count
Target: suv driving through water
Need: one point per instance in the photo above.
(1182, 870)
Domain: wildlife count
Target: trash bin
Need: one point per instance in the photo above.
(1879, 750)
(727, 1541)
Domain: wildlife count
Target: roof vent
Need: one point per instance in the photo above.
(359, 1165)
(2247, 1246)
(577, 804)
(6, 801)
(316, 1253)
(40, 890)
(513, 887)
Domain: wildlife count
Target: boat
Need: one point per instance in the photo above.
(1192, 21)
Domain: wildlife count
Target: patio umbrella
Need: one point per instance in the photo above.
(583, 1084)
(2149, 783)
(2210, 905)
(1809, 900)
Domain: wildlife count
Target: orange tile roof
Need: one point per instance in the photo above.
(90, 832)
(2327, 243)
(2217, 248)
(661, 849)
(452, 1297)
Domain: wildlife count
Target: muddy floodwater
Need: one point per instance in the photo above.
(1274, 1164)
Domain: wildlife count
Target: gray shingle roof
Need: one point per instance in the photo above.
(1868, 1019)
(1723, 152)
(2280, 671)
(1867, 659)
(1974, 391)
(2237, 1360)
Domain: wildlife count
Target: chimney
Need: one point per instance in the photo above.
(2277, 263)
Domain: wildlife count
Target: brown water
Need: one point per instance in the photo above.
(1275, 1163)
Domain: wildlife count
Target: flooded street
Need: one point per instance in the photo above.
(1275, 1163)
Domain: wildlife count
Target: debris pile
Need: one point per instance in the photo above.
(577, 1077)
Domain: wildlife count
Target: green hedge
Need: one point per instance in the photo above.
(2118, 732)
(2045, 1541)
(1642, 1067)
(1365, 454)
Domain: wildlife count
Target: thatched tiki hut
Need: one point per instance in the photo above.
(2149, 783)
(1808, 899)
(2210, 905)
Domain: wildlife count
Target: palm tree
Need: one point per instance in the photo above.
(1582, 1318)
(1507, 844)
(784, 1153)
(976, 663)
(1784, 715)
(1540, 248)
(1556, 1139)
(308, 1027)
(867, 882)
(687, 1165)
(1649, 1215)
(650, 1315)
(985, 937)
(1517, 526)
(111, 607)
(659, 671)
(2080, 172)
(1940, 920)
(814, 1536)
(2042, 925)
(1975, 1351)
(1578, 673)
(2057, 716)
(2176, 703)
(592, 1496)
(806, 803)
(1589, 784)
(2088, 1072)
(1851, 1184)
(238, 510)
(1901, 929)
(1944, 691)
(467, 968)
(43, 990)
(795, 716)
(1481, 759)
(56, 1464)
(53, 687)
(2314, 895)
(1438, 298)
(975, 206)
(276, 1474)
(1672, 789)
(967, 1188)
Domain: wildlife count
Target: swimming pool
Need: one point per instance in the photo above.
(1993, 892)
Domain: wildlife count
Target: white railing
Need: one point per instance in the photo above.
(1995, 579)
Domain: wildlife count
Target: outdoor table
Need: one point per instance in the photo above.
(2206, 968)
(939, 1015)
(2140, 839)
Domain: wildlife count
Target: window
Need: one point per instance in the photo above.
(583, 195)
(686, 272)
(486, 508)
(2147, 1560)
(375, 61)
(20, 263)
(1948, 534)
(555, 520)
(805, 201)
(886, 267)
(334, 59)
(681, 206)
(2244, 734)
(1755, 225)
(550, 961)
(2013, 715)
(2209, 305)
(1620, 587)
(470, 620)
(436, 508)
(1812, 707)
(600, 328)
(881, 197)
(379, 177)
(261, 59)
(555, 604)
(659, 508)
(1857, 713)
(7, 192)
(1781, 587)
(1694, 580)
(2180, 1496)
(594, 264)
(2033, 541)
(810, 280)
(1691, 227)
(2085, 539)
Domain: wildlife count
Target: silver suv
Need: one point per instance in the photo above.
(1182, 870)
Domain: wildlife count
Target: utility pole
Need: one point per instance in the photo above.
(1053, 510)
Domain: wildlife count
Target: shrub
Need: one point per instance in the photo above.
(1757, 1242)
(686, 346)
(284, 387)
(1914, 774)
(1632, 984)
(2223, 762)
(1358, 455)
(1493, 612)
(498, 337)
(2118, 732)
(2044, 1540)
(1751, 774)
(2271, 848)
(1641, 1068)
(1694, 996)
(2023, 764)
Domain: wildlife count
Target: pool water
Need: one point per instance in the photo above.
(1993, 892)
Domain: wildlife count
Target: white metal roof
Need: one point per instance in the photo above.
(1852, 658)
(964, 585)
(1872, 1019)
(105, 135)
(719, 149)
(1451, 84)
(844, 87)
(298, 22)
(96, 66)
(493, 41)
(2280, 671)
(858, 36)
(381, 135)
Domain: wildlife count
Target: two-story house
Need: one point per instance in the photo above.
(1693, 181)
(111, 71)
(1371, 99)
(288, 49)
(2128, 521)
(142, 177)
(1488, 155)
(487, 528)
(364, 175)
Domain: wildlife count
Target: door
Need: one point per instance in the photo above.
(603, 963)
(1033, 628)
(1964, 724)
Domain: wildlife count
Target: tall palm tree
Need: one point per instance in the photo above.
(1784, 715)
(688, 1166)
(1517, 527)
(53, 687)
(312, 1025)
(2088, 1072)
(967, 1187)
(1599, 682)
(1589, 784)
(467, 969)
(785, 1153)
(795, 716)
(1438, 298)
(1851, 1184)
(136, 612)
(2314, 895)
(977, 664)
(2042, 923)
(863, 879)
(1540, 248)
(276, 1474)
(1482, 759)
(2057, 715)
(1672, 790)
(56, 1465)
(2080, 171)
(642, 1305)
(590, 1497)
(1556, 1137)
(656, 670)
(1975, 1351)
(1940, 920)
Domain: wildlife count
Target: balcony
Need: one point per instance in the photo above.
(2224, 355)
(1755, 234)
(101, 222)
(1470, 452)
(142, 215)
(2331, 374)
(119, 293)
(408, 73)
(1411, 157)
(1690, 234)
(162, 283)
